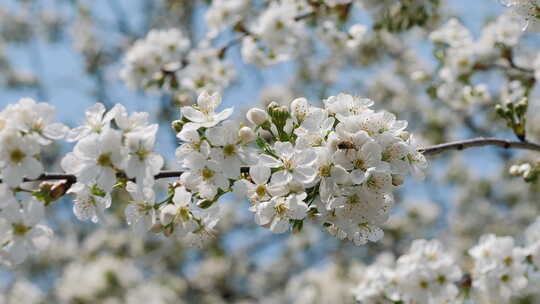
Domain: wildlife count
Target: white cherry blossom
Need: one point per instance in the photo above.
(96, 121)
(89, 202)
(204, 115)
(21, 232)
(295, 164)
(142, 161)
(18, 158)
(140, 212)
(204, 175)
(258, 189)
(277, 212)
(180, 214)
(95, 159)
(35, 119)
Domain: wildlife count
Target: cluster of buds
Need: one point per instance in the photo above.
(528, 171)
(514, 115)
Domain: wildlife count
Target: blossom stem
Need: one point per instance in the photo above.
(430, 150)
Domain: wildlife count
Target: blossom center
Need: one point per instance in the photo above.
(260, 190)
(359, 164)
(141, 70)
(104, 160)
(441, 279)
(183, 212)
(229, 150)
(20, 229)
(142, 153)
(324, 171)
(17, 156)
(375, 182)
(37, 126)
(281, 208)
(353, 199)
(288, 164)
(207, 174)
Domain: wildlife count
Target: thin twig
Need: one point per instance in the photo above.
(73, 179)
(305, 15)
(480, 142)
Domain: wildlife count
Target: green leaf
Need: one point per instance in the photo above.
(44, 196)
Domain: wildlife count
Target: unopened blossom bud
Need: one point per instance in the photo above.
(521, 106)
(514, 170)
(167, 214)
(279, 114)
(53, 190)
(526, 170)
(299, 108)
(246, 134)
(58, 190)
(500, 111)
(510, 105)
(177, 125)
(175, 185)
(272, 105)
(205, 204)
(525, 167)
(257, 116)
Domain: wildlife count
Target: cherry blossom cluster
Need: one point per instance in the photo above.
(338, 165)
(338, 40)
(212, 152)
(25, 129)
(461, 56)
(145, 59)
(527, 10)
(224, 13)
(276, 35)
(425, 274)
(280, 32)
(96, 276)
(102, 153)
(396, 16)
(499, 271)
(163, 60)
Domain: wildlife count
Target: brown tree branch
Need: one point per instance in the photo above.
(480, 142)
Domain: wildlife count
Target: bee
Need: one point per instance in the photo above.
(345, 145)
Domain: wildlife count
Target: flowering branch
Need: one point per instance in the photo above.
(431, 150)
(73, 179)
